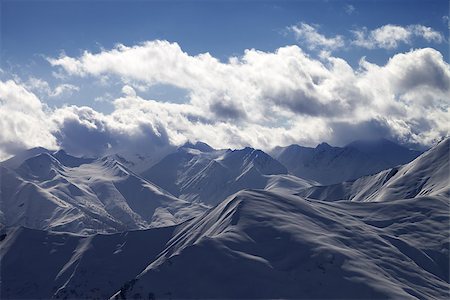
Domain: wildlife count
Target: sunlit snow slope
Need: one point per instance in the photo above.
(198, 173)
(56, 191)
(426, 175)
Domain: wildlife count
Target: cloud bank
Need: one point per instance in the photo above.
(261, 99)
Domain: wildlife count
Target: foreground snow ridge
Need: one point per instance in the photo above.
(259, 244)
(381, 236)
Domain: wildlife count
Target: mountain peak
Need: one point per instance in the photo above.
(248, 148)
(69, 160)
(60, 152)
(323, 146)
(203, 147)
(42, 159)
(42, 166)
(19, 158)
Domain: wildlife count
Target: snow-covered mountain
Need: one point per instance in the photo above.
(427, 175)
(257, 244)
(287, 184)
(57, 191)
(327, 165)
(45, 265)
(21, 156)
(199, 173)
(139, 162)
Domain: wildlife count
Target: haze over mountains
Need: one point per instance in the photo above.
(207, 223)
(426, 175)
(327, 165)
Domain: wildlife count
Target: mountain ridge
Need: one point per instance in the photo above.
(86, 196)
(428, 174)
(212, 175)
(257, 243)
(328, 165)
(241, 244)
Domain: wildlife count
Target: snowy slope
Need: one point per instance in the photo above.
(259, 244)
(177, 168)
(289, 184)
(390, 241)
(56, 191)
(20, 157)
(327, 165)
(198, 173)
(43, 265)
(138, 162)
(256, 244)
(427, 175)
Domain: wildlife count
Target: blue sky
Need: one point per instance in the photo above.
(35, 34)
(222, 28)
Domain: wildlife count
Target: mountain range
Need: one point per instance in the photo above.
(207, 223)
(394, 245)
(426, 175)
(199, 173)
(327, 165)
(59, 192)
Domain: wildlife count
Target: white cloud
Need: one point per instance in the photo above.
(64, 88)
(309, 35)
(262, 99)
(391, 36)
(23, 120)
(128, 91)
(387, 37)
(282, 89)
(427, 33)
(42, 87)
(37, 85)
(106, 97)
(238, 89)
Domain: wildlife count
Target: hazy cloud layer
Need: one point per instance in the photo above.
(349, 9)
(262, 99)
